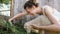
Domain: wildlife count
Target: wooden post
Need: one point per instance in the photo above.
(12, 8)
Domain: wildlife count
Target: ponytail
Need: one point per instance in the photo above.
(33, 1)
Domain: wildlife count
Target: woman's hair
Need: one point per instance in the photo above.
(30, 3)
(33, 1)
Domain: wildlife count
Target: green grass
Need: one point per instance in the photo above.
(6, 28)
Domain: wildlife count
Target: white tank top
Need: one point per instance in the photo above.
(56, 13)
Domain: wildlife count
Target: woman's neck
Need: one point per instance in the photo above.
(39, 9)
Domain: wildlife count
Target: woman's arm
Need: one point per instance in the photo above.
(49, 13)
(17, 16)
(53, 27)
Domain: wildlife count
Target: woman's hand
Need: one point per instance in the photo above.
(35, 27)
(10, 20)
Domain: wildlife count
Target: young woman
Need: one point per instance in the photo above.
(33, 8)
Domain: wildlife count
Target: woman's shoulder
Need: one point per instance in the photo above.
(46, 6)
(49, 7)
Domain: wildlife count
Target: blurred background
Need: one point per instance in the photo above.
(10, 8)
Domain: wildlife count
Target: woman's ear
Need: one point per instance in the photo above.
(33, 6)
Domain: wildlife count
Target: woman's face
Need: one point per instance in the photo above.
(32, 10)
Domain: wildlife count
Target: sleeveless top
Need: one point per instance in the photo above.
(56, 13)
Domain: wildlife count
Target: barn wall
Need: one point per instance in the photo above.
(53, 3)
(18, 8)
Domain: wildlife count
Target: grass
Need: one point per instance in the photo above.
(6, 28)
